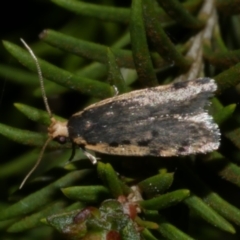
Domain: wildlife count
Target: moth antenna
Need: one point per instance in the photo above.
(36, 164)
(73, 152)
(40, 76)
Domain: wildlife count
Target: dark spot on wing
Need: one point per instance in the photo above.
(182, 149)
(179, 85)
(154, 133)
(203, 80)
(144, 143)
(126, 142)
(113, 144)
(155, 152)
(91, 143)
(185, 145)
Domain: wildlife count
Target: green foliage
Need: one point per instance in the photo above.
(145, 43)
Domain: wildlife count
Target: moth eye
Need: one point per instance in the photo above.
(61, 139)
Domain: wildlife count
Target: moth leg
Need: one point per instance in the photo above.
(115, 90)
(73, 152)
(92, 158)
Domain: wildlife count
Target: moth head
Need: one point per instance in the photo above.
(58, 131)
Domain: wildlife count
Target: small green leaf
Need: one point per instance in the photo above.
(110, 178)
(203, 210)
(114, 75)
(36, 115)
(221, 113)
(145, 224)
(89, 194)
(93, 10)
(156, 184)
(140, 51)
(167, 230)
(148, 235)
(165, 200)
(228, 78)
(86, 49)
(177, 12)
(223, 207)
(223, 60)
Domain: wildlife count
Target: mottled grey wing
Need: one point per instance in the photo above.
(147, 124)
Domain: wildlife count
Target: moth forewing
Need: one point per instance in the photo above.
(162, 121)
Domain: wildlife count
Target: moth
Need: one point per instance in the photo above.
(167, 120)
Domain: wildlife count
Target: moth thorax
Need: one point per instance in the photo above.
(58, 131)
